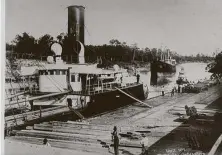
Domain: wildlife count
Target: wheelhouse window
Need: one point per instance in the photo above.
(51, 72)
(57, 72)
(63, 72)
(43, 73)
(72, 78)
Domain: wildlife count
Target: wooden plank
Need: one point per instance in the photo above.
(133, 98)
(33, 112)
(38, 97)
(15, 95)
(71, 130)
(30, 118)
(83, 146)
(77, 113)
(56, 135)
(83, 126)
(131, 144)
(215, 146)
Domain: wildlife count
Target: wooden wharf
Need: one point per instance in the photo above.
(93, 135)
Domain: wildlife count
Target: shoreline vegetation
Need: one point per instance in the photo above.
(28, 47)
(25, 46)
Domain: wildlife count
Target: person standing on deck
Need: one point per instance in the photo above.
(138, 77)
(172, 92)
(178, 89)
(121, 79)
(163, 91)
(144, 143)
(115, 139)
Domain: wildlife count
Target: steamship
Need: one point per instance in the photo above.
(182, 79)
(83, 86)
(165, 65)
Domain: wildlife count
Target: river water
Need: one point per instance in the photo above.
(193, 72)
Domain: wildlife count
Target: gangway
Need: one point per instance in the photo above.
(77, 113)
(133, 97)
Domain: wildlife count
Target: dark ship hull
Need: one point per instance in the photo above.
(114, 99)
(162, 67)
(108, 100)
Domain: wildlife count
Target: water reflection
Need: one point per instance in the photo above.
(193, 72)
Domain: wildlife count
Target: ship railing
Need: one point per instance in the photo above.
(105, 87)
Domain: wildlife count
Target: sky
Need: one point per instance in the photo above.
(185, 26)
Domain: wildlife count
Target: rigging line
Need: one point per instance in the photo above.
(43, 68)
(46, 76)
(88, 33)
(59, 85)
(42, 65)
(50, 78)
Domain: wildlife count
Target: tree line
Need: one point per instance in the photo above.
(215, 67)
(114, 51)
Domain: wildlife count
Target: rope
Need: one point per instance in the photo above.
(50, 78)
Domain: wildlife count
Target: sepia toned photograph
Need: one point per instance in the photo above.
(112, 77)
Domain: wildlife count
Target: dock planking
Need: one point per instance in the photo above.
(97, 130)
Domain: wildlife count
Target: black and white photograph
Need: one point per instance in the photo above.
(112, 77)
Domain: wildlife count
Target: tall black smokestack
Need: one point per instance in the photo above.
(76, 22)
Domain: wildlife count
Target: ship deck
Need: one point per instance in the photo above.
(106, 87)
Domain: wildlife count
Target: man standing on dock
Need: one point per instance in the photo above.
(144, 143)
(115, 139)
(163, 91)
(172, 92)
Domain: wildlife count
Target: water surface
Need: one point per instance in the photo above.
(193, 71)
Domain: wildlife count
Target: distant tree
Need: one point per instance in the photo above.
(61, 37)
(9, 47)
(115, 42)
(44, 45)
(25, 43)
(154, 53)
(216, 67)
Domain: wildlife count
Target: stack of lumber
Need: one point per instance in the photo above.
(79, 136)
(34, 116)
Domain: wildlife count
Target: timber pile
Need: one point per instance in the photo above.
(79, 136)
(33, 116)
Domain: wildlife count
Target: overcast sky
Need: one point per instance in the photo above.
(185, 26)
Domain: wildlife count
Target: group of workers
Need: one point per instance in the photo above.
(172, 91)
